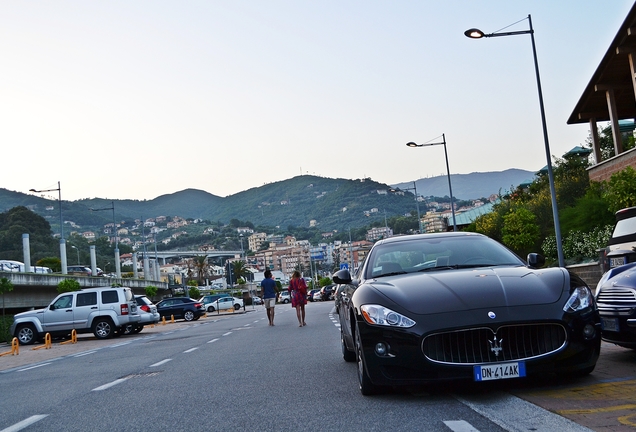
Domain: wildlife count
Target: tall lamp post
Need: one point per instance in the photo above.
(62, 241)
(474, 33)
(117, 263)
(417, 205)
(450, 188)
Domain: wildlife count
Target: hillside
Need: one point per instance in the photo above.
(334, 204)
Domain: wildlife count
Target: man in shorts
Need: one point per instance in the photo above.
(269, 288)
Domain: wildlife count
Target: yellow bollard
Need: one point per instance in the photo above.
(163, 320)
(15, 348)
(172, 319)
(73, 338)
(47, 342)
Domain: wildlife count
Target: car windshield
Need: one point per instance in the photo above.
(437, 253)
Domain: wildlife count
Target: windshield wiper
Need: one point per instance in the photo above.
(446, 267)
(395, 273)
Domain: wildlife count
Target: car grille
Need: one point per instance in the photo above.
(616, 299)
(483, 345)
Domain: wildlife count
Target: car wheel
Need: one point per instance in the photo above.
(137, 329)
(188, 315)
(210, 308)
(128, 329)
(237, 306)
(347, 354)
(26, 334)
(103, 328)
(367, 388)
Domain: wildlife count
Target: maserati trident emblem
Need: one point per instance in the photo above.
(492, 315)
(495, 345)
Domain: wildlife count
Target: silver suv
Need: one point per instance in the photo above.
(103, 311)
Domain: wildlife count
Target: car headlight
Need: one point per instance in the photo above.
(379, 315)
(581, 298)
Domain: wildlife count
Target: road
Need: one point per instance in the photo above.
(234, 372)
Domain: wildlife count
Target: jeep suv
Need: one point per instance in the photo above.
(621, 248)
(103, 311)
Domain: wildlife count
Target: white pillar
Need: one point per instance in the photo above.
(134, 261)
(63, 256)
(26, 253)
(117, 263)
(93, 261)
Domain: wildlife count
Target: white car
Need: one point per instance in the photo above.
(225, 303)
(284, 297)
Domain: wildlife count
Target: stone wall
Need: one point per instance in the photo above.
(604, 170)
(591, 273)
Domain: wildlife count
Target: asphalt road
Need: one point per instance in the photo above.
(234, 372)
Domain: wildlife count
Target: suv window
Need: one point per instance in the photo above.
(110, 297)
(86, 299)
(64, 302)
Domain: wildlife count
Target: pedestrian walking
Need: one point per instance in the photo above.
(298, 293)
(269, 288)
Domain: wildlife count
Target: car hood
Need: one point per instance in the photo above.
(457, 290)
(30, 313)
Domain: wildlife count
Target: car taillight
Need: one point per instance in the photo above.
(124, 309)
(198, 305)
(145, 308)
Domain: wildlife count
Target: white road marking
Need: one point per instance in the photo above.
(110, 384)
(460, 426)
(24, 423)
(226, 334)
(33, 367)
(190, 350)
(160, 363)
(85, 353)
(213, 340)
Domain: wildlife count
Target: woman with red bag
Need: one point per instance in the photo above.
(298, 293)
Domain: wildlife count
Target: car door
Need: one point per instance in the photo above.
(85, 305)
(166, 308)
(225, 303)
(59, 315)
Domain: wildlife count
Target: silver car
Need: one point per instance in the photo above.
(148, 313)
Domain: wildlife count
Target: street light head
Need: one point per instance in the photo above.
(474, 33)
(412, 144)
(32, 190)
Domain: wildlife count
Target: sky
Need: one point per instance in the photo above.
(137, 99)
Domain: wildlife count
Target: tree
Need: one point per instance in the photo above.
(519, 231)
(621, 190)
(5, 286)
(68, 285)
(239, 269)
(201, 266)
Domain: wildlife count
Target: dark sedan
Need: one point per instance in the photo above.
(460, 306)
(181, 307)
(616, 299)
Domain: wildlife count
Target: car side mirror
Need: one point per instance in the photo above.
(536, 260)
(342, 277)
(52, 307)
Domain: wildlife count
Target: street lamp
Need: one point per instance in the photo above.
(417, 204)
(450, 188)
(474, 33)
(76, 250)
(117, 263)
(62, 241)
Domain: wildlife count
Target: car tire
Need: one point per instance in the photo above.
(347, 354)
(188, 315)
(137, 329)
(128, 329)
(237, 306)
(210, 308)
(367, 388)
(26, 334)
(103, 328)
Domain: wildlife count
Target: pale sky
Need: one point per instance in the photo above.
(136, 99)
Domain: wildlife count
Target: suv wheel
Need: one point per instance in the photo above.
(188, 315)
(26, 334)
(103, 328)
(237, 306)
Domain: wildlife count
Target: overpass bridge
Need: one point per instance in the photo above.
(33, 290)
(164, 255)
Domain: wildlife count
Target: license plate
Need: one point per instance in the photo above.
(609, 324)
(499, 371)
(616, 262)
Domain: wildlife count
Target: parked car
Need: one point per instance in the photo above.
(225, 303)
(621, 247)
(317, 296)
(207, 300)
(147, 312)
(284, 296)
(79, 270)
(616, 299)
(460, 306)
(257, 300)
(103, 311)
(326, 292)
(310, 294)
(181, 307)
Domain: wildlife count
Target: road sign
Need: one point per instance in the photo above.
(344, 266)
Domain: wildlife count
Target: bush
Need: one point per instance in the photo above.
(150, 291)
(579, 246)
(194, 292)
(68, 285)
